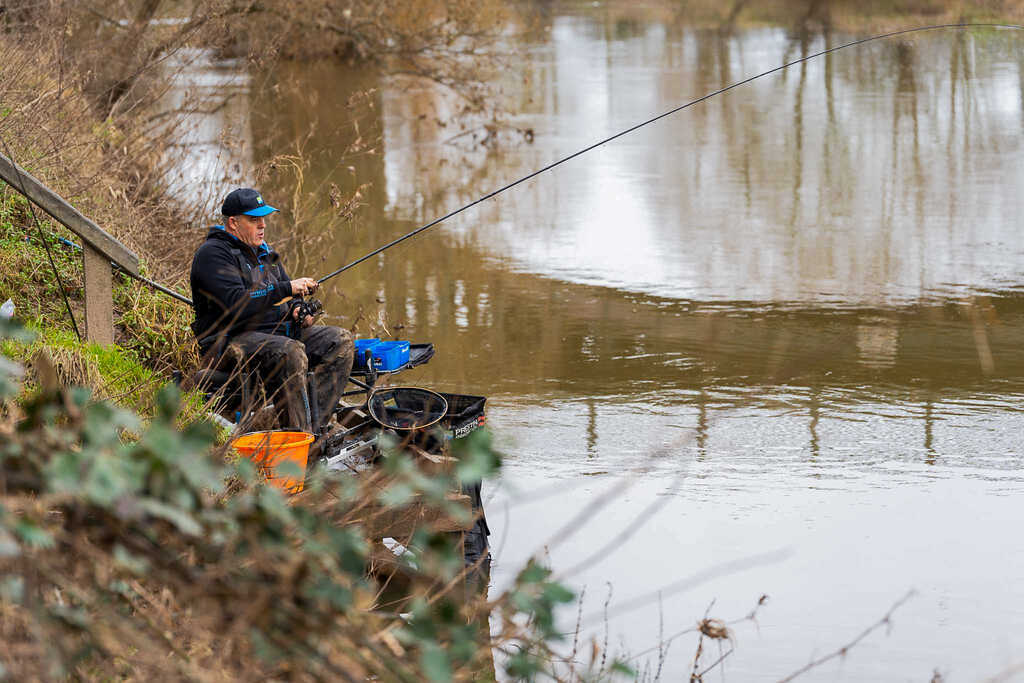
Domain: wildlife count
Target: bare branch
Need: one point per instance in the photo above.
(841, 652)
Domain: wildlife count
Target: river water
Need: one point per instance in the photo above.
(770, 345)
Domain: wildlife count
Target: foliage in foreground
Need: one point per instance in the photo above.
(155, 557)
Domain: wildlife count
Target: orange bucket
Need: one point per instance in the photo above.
(269, 450)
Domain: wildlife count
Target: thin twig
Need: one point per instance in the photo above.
(1006, 674)
(576, 635)
(718, 661)
(884, 621)
(714, 572)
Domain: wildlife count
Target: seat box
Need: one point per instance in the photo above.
(390, 355)
(362, 345)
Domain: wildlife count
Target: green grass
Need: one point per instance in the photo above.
(110, 372)
(26, 276)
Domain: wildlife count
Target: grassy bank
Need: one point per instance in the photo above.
(152, 334)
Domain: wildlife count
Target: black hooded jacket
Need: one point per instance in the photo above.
(236, 288)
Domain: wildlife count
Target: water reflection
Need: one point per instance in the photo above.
(797, 189)
(879, 231)
(215, 143)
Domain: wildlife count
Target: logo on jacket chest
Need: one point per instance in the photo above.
(257, 273)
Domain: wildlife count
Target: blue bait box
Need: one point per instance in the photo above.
(390, 355)
(362, 345)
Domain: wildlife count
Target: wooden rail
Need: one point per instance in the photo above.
(98, 250)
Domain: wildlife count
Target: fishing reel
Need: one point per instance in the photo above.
(310, 307)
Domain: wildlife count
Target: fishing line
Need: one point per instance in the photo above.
(536, 173)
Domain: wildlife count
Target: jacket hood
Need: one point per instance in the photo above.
(219, 233)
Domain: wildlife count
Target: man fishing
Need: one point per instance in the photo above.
(239, 288)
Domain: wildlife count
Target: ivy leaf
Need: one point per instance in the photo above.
(168, 402)
(135, 564)
(397, 494)
(34, 535)
(9, 369)
(185, 522)
(533, 573)
(11, 329)
(8, 546)
(12, 589)
(264, 648)
(201, 471)
(435, 663)
(523, 665)
(289, 470)
(476, 456)
(322, 588)
(620, 667)
(65, 472)
(245, 470)
(272, 501)
(111, 477)
(557, 593)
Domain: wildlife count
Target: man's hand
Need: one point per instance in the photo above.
(306, 322)
(304, 286)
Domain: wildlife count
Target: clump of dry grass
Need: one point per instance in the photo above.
(70, 367)
(715, 629)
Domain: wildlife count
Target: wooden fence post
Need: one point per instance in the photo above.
(98, 250)
(99, 304)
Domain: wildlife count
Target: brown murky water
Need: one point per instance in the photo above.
(790, 318)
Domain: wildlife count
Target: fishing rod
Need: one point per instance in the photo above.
(550, 166)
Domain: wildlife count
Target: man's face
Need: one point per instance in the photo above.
(249, 229)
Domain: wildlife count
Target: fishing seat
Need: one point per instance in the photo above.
(235, 390)
(222, 379)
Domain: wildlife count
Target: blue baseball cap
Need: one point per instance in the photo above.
(246, 201)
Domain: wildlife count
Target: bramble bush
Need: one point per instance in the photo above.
(158, 556)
